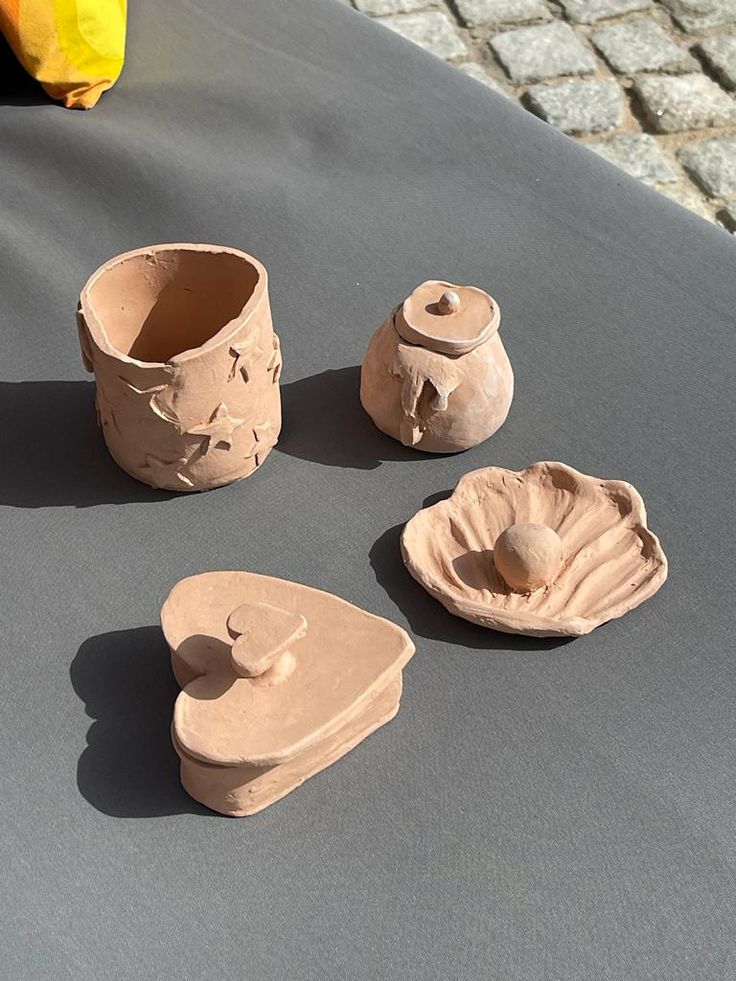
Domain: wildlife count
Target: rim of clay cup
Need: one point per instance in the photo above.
(223, 335)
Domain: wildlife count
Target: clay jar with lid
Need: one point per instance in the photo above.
(186, 362)
(436, 375)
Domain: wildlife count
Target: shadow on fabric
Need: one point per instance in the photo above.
(17, 88)
(129, 768)
(426, 615)
(325, 422)
(53, 452)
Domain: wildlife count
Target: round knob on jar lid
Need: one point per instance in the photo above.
(448, 303)
(446, 318)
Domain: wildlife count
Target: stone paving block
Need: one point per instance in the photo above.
(678, 98)
(712, 165)
(728, 215)
(702, 15)
(380, 8)
(689, 198)
(579, 105)
(720, 56)
(591, 11)
(680, 102)
(475, 71)
(531, 54)
(492, 13)
(641, 46)
(431, 30)
(638, 155)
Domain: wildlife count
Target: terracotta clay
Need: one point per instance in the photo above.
(186, 363)
(436, 375)
(527, 556)
(545, 551)
(278, 681)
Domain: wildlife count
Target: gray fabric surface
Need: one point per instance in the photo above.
(535, 811)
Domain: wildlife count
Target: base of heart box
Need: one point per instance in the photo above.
(238, 791)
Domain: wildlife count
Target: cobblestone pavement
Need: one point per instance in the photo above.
(648, 84)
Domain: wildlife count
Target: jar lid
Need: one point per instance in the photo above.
(446, 318)
(271, 668)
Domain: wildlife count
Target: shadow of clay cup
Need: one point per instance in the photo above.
(186, 362)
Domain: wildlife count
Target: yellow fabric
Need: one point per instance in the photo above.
(74, 48)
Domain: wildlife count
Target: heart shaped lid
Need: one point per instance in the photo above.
(447, 319)
(261, 635)
(269, 667)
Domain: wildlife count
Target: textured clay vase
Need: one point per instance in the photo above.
(545, 551)
(278, 681)
(436, 375)
(186, 363)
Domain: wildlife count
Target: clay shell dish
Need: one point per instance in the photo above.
(611, 562)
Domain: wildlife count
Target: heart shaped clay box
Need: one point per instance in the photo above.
(278, 681)
(576, 550)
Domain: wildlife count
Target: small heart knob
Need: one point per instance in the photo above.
(262, 636)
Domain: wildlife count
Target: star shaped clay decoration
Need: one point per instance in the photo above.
(276, 361)
(161, 472)
(153, 390)
(262, 432)
(168, 372)
(162, 410)
(239, 351)
(265, 439)
(218, 430)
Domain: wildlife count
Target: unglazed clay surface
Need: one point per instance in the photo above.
(436, 375)
(608, 563)
(186, 363)
(278, 681)
(528, 556)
